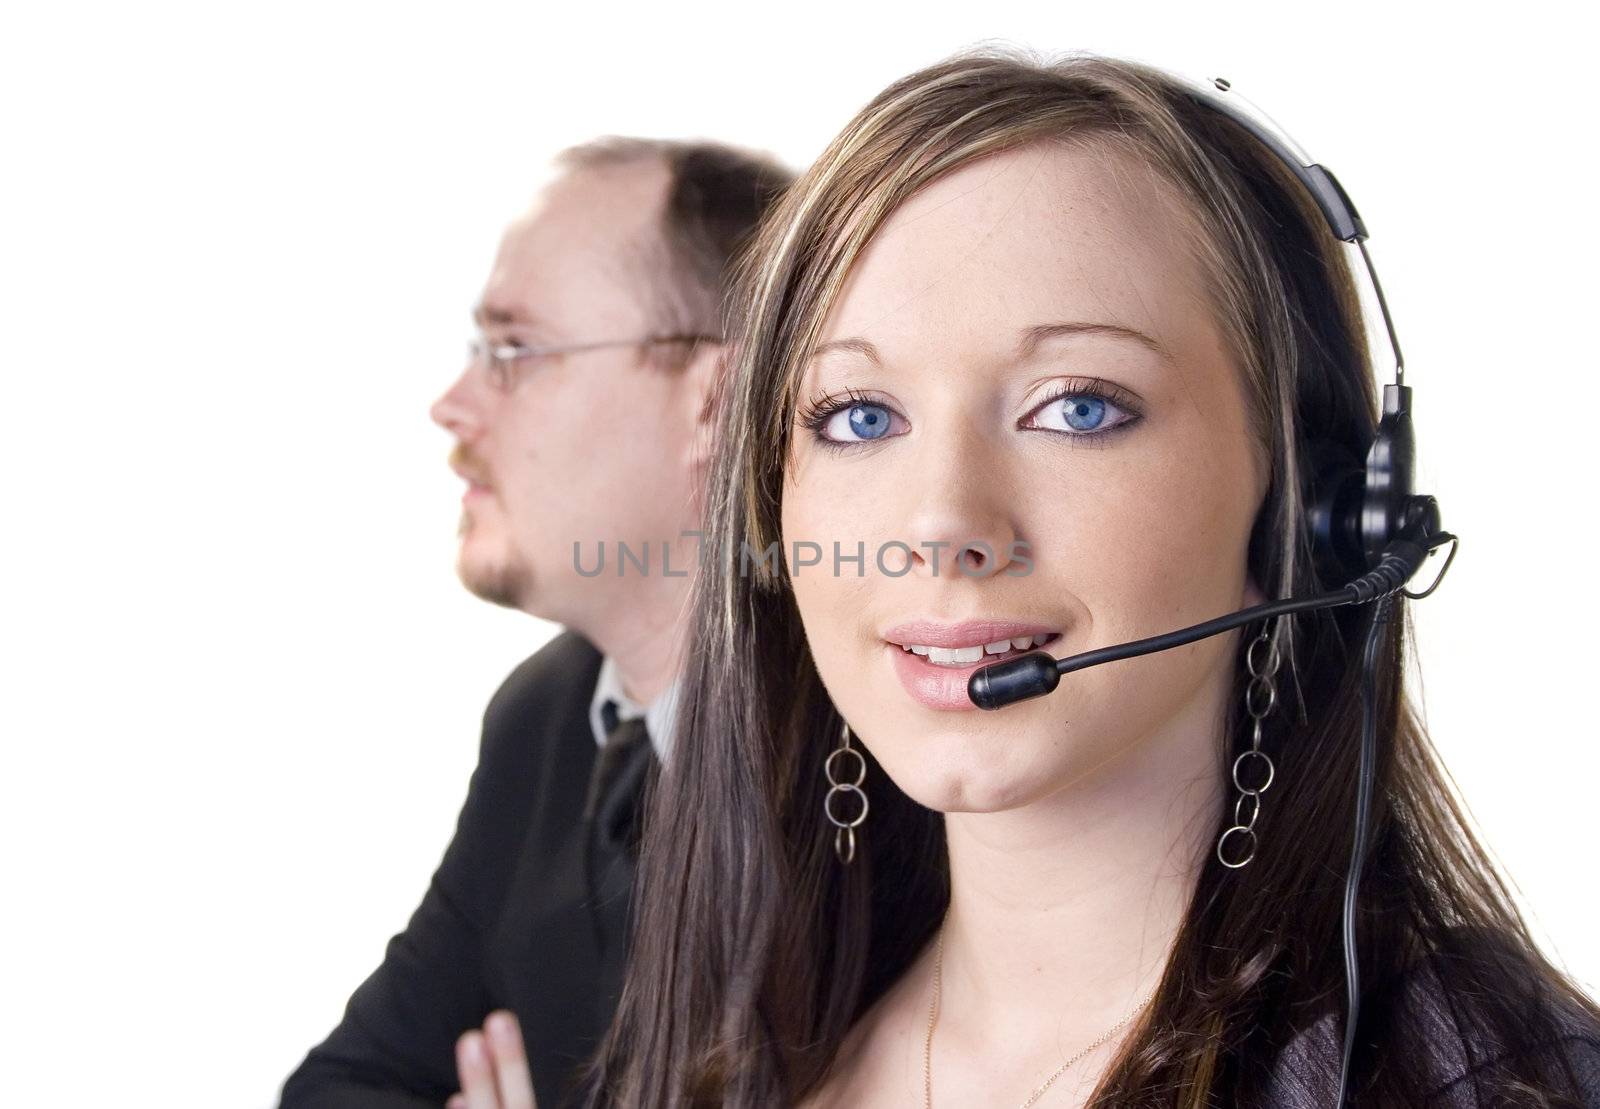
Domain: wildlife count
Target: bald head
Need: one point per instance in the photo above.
(709, 199)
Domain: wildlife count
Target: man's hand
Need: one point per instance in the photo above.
(493, 1067)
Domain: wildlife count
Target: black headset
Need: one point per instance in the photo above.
(1369, 529)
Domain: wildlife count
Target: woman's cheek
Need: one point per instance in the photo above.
(1140, 516)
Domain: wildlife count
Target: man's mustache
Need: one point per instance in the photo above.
(468, 466)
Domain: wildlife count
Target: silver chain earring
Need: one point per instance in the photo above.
(844, 834)
(1260, 696)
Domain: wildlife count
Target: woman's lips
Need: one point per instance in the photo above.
(943, 686)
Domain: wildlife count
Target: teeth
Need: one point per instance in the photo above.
(954, 656)
(966, 656)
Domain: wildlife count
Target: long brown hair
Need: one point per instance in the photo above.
(754, 951)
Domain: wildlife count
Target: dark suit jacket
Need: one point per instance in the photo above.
(506, 921)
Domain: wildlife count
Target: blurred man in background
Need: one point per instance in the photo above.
(581, 420)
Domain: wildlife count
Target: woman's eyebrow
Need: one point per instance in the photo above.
(1033, 336)
(852, 346)
(1027, 345)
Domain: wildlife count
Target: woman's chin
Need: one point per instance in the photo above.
(973, 781)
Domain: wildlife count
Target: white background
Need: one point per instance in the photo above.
(241, 686)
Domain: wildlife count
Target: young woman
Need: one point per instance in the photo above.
(1042, 356)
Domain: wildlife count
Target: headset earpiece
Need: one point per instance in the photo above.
(1390, 478)
(1333, 511)
(1355, 511)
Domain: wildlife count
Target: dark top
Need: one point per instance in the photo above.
(508, 920)
(1305, 1074)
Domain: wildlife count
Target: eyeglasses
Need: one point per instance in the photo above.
(505, 362)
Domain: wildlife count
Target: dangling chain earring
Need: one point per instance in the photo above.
(844, 835)
(1259, 698)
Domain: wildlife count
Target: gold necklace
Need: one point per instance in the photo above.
(1038, 1091)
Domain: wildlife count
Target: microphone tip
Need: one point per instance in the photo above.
(1031, 675)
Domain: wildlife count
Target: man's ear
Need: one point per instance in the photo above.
(707, 374)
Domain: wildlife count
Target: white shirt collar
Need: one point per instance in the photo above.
(658, 714)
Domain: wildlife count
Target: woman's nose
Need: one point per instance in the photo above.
(962, 519)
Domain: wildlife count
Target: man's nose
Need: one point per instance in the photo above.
(963, 520)
(460, 409)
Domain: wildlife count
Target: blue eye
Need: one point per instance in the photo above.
(850, 420)
(1086, 411)
(869, 421)
(1081, 415)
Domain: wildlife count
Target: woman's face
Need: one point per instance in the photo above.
(1023, 360)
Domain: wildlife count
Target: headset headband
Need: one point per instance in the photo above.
(1343, 219)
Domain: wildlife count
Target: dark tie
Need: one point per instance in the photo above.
(617, 781)
(612, 822)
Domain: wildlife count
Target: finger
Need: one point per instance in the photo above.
(510, 1060)
(457, 1101)
(476, 1071)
